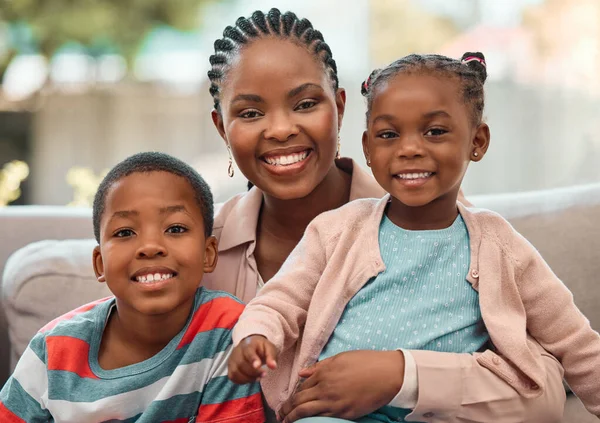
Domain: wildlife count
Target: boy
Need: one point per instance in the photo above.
(157, 351)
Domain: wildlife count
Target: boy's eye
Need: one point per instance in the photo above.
(249, 114)
(176, 229)
(435, 132)
(124, 233)
(307, 104)
(387, 135)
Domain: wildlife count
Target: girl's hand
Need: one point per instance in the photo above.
(251, 359)
(347, 386)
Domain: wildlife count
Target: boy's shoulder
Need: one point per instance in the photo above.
(81, 319)
(215, 311)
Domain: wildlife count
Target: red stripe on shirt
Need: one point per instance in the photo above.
(73, 313)
(220, 313)
(248, 409)
(70, 355)
(7, 416)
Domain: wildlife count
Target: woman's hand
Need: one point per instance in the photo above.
(250, 360)
(348, 386)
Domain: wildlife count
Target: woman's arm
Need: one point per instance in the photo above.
(449, 387)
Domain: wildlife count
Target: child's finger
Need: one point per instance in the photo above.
(251, 353)
(270, 355)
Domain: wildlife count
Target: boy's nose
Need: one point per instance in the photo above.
(151, 249)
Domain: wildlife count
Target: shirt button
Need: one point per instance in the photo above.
(475, 273)
(496, 360)
(428, 415)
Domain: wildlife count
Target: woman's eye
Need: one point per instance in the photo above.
(387, 135)
(177, 229)
(435, 132)
(249, 114)
(123, 233)
(308, 104)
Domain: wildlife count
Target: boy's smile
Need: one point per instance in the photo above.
(153, 250)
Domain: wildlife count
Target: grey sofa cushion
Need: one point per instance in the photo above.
(569, 241)
(45, 280)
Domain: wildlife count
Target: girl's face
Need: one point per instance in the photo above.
(281, 117)
(420, 138)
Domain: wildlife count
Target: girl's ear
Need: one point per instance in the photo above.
(98, 264)
(218, 122)
(481, 142)
(211, 254)
(365, 145)
(340, 102)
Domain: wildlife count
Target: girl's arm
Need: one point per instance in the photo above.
(556, 323)
(279, 311)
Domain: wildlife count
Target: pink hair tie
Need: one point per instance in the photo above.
(474, 58)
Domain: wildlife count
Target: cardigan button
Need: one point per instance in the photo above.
(496, 360)
(475, 273)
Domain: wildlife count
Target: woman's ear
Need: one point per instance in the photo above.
(340, 102)
(211, 254)
(98, 264)
(480, 143)
(218, 122)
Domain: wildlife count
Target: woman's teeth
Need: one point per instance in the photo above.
(422, 175)
(286, 160)
(154, 278)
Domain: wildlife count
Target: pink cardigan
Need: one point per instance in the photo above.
(523, 304)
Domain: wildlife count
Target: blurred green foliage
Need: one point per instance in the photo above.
(100, 26)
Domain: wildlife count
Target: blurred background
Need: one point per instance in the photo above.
(86, 83)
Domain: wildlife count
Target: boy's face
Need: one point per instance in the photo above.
(153, 251)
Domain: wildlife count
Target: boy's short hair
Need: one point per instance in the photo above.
(155, 162)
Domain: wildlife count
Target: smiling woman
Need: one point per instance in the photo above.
(279, 109)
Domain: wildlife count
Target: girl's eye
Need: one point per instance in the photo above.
(307, 104)
(124, 233)
(387, 135)
(250, 114)
(435, 132)
(176, 229)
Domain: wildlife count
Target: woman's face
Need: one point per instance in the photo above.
(281, 117)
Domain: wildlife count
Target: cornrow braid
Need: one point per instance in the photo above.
(259, 25)
(470, 70)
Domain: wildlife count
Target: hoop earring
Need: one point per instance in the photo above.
(338, 155)
(230, 171)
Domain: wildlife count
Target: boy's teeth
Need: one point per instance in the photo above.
(286, 160)
(414, 175)
(153, 277)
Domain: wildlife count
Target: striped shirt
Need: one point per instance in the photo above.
(58, 378)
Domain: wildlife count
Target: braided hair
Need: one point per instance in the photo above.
(470, 70)
(273, 24)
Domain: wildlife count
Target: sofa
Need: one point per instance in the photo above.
(45, 260)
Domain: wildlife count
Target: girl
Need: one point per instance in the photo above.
(465, 297)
